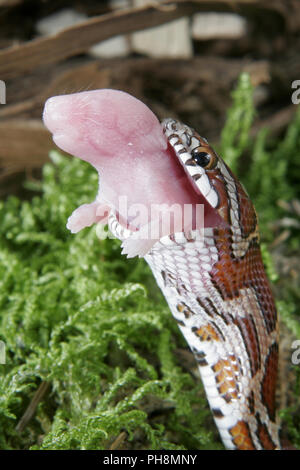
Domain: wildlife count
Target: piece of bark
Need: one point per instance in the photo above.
(77, 39)
(117, 443)
(24, 144)
(30, 411)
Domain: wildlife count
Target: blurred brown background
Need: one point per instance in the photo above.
(182, 58)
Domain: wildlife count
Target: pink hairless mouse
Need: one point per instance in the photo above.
(121, 137)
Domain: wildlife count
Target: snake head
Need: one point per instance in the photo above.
(212, 178)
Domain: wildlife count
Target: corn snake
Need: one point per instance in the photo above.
(219, 295)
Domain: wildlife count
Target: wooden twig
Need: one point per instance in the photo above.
(118, 441)
(77, 39)
(38, 396)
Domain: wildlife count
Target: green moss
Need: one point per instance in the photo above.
(235, 135)
(78, 315)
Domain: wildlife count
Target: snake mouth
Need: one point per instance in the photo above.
(195, 155)
(182, 142)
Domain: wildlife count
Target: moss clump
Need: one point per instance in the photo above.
(76, 314)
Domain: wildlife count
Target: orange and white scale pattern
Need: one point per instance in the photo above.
(219, 294)
(236, 349)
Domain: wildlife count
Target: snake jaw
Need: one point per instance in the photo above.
(214, 181)
(184, 141)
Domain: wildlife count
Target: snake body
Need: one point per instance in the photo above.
(218, 293)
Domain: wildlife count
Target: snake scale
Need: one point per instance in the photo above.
(218, 293)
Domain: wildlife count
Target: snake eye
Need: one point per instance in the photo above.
(202, 158)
